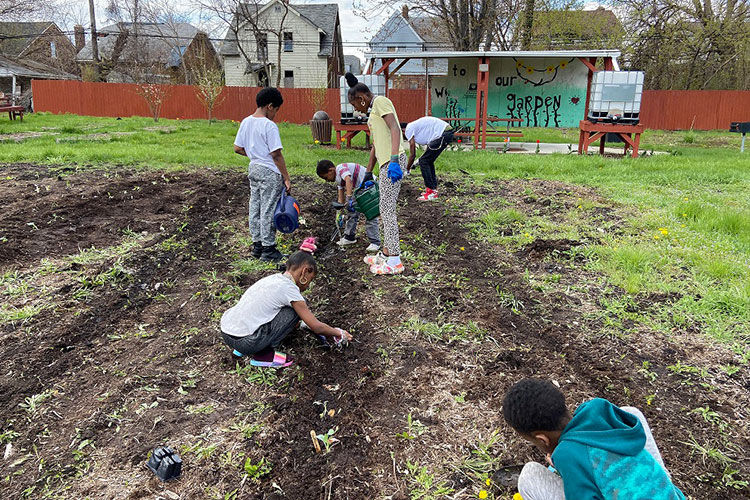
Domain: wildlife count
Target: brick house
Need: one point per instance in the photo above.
(150, 52)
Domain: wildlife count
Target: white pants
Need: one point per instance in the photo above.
(537, 482)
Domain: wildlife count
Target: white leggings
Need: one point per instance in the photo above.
(537, 482)
(388, 207)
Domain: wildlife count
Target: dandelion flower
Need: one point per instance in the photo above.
(487, 481)
(656, 236)
(686, 199)
(483, 494)
(462, 249)
(682, 225)
(684, 215)
(317, 141)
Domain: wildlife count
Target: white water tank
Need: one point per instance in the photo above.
(616, 94)
(348, 113)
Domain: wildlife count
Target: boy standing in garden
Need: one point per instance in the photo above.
(258, 139)
(348, 177)
(602, 452)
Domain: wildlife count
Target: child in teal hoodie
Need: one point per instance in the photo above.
(602, 452)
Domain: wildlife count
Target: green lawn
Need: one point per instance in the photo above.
(687, 215)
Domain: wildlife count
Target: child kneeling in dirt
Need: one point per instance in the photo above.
(270, 309)
(601, 452)
(348, 177)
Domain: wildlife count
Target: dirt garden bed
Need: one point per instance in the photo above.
(113, 283)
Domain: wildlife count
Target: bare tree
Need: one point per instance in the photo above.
(209, 84)
(703, 44)
(469, 23)
(240, 17)
(154, 95)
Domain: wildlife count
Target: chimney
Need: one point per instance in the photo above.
(405, 11)
(80, 37)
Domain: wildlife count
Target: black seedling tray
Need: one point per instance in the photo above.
(165, 463)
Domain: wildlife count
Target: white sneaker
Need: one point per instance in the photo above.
(343, 242)
(372, 248)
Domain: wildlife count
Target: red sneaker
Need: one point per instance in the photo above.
(428, 195)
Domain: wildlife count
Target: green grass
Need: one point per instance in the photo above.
(687, 226)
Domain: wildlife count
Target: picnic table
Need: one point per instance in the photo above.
(494, 127)
(13, 111)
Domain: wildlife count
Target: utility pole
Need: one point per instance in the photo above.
(94, 42)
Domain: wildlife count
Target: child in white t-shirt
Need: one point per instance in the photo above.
(258, 139)
(348, 177)
(435, 135)
(270, 309)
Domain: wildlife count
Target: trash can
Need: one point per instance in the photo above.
(321, 126)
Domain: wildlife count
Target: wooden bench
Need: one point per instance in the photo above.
(13, 111)
(492, 128)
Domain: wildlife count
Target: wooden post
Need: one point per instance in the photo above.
(591, 65)
(480, 119)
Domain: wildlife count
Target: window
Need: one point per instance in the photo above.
(53, 50)
(289, 79)
(262, 41)
(288, 42)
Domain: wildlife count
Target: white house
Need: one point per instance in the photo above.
(311, 53)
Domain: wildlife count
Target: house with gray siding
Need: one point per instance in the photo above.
(403, 32)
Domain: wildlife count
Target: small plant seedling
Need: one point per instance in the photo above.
(327, 439)
(414, 429)
(255, 472)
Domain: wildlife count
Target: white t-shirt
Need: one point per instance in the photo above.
(344, 170)
(259, 137)
(260, 304)
(425, 130)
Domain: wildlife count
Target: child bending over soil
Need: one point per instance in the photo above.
(348, 177)
(272, 308)
(601, 452)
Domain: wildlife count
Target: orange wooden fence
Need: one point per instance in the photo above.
(122, 99)
(699, 109)
(660, 109)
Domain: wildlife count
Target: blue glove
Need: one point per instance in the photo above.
(350, 205)
(394, 171)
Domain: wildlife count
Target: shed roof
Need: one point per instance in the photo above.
(31, 69)
(494, 54)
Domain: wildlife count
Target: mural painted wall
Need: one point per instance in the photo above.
(543, 92)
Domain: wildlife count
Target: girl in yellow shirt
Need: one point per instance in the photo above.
(389, 152)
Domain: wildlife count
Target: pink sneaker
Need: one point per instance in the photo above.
(378, 258)
(428, 195)
(384, 268)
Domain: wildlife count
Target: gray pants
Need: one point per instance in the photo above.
(270, 334)
(372, 227)
(537, 482)
(388, 207)
(265, 191)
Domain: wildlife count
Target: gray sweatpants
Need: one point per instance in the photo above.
(537, 482)
(265, 191)
(372, 227)
(388, 207)
(270, 334)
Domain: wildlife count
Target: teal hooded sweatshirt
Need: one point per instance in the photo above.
(600, 455)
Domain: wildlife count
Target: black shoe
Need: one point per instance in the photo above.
(257, 250)
(270, 254)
